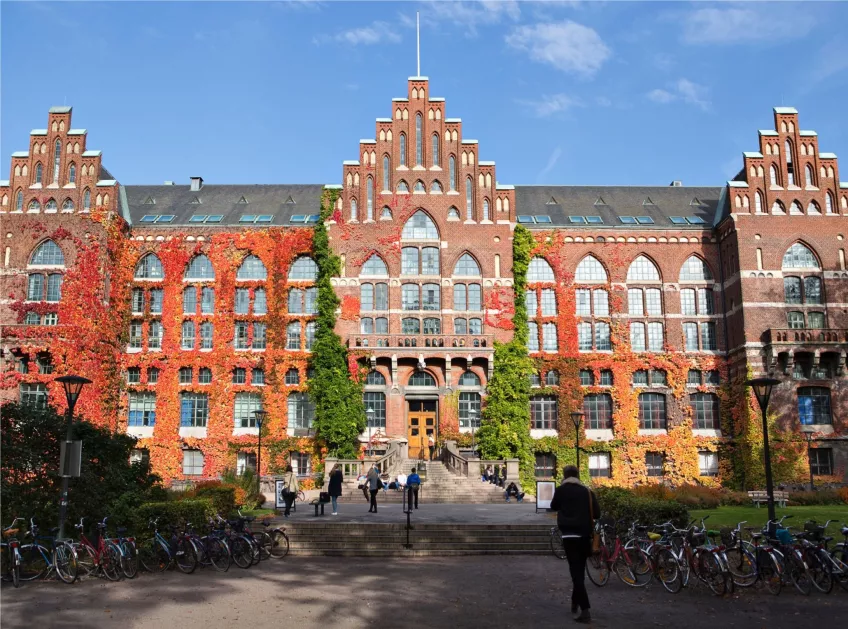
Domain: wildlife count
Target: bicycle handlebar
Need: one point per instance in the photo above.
(12, 525)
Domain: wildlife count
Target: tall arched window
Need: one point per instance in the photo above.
(39, 172)
(540, 271)
(469, 200)
(387, 177)
(19, 201)
(789, 166)
(695, 269)
(72, 173)
(68, 205)
(57, 157)
(485, 209)
(402, 159)
(758, 201)
(809, 174)
(252, 268)
(354, 210)
(86, 200)
(436, 149)
(419, 142)
(47, 253)
(642, 270)
(149, 268)
(369, 199)
(374, 266)
(304, 268)
(828, 203)
(799, 256)
(590, 270)
(420, 227)
(466, 266)
(200, 268)
(452, 177)
(773, 174)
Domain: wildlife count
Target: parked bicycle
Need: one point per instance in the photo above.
(102, 556)
(39, 561)
(10, 554)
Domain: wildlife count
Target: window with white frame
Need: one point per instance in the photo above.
(599, 465)
(540, 271)
(193, 461)
(707, 463)
(245, 461)
(590, 271)
(246, 404)
(642, 270)
(705, 410)
(301, 412)
(142, 409)
(543, 412)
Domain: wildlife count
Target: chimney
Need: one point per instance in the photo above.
(674, 184)
(169, 183)
(196, 183)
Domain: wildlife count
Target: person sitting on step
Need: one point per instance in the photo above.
(512, 490)
(401, 481)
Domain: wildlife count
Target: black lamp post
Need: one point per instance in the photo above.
(577, 419)
(762, 389)
(73, 386)
(472, 415)
(808, 433)
(369, 414)
(260, 417)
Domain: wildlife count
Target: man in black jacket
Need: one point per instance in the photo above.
(577, 508)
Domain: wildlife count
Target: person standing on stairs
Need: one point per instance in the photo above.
(374, 482)
(431, 444)
(413, 482)
(290, 488)
(335, 486)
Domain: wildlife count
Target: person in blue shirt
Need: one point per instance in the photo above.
(413, 482)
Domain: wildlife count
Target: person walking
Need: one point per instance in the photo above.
(374, 483)
(290, 487)
(413, 481)
(577, 509)
(335, 486)
(431, 444)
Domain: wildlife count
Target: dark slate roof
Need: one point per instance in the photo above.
(660, 203)
(280, 201)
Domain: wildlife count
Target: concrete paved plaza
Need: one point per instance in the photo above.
(346, 593)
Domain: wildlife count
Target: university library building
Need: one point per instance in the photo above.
(192, 304)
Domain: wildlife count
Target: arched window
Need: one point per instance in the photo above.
(149, 268)
(200, 268)
(435, 188)
(34, 206)
(57, 157)
(72, 173)
(387, 174)
(643, 270)
(86, 200)
(419, 141)
(777, 208)
(758, 201)
(795, 208)
(809, 174)
(790, 168)
(420, 227)
(799, 257)
(369, 191)
(68, 206)
(540, 271)
(695, 269)
(402, 187)
(39, 172)
(386, 212)
(419, 187)
(469, 379)
(304, 268)
(590, 270)
(19, 201)
(421, 379)
(47, 254)
(485, 209)
(452, 173)
(375, 378)
(354, 211)
(552, 378)
(773, 174)
(252, 268)
(828, 203)
(466, 266)
(814, 406)
(453, 213)
(402, 159)
(435, 149)
(469, 200)
(374, 266)
(813, 208)
(51, 206)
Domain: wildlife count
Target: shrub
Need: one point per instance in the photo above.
(174, 512)
(222, 497)
(623, 504)
(843, 494)
(818, 497)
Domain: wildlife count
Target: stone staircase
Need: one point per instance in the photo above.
(388, 540)
(439, 485)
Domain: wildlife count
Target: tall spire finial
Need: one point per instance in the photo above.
(418, 40)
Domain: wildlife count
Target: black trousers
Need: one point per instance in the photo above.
(373, 493)
(577, 551)
(288, 498)
(412, 495)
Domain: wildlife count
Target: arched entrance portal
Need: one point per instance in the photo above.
(422, 399)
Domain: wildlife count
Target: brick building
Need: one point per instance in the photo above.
(191, 306)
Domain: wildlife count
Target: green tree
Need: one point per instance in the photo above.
(31, 484)
(505, 426)
(339, 411)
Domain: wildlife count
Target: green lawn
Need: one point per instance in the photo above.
(730, 516)
(259, 513)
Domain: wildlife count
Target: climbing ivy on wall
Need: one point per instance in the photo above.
(336, 392)
(505, 426)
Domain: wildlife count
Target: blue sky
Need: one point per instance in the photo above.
(555, 92)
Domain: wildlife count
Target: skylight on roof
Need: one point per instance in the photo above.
(206, 218)
(165, 218)
(594, 220)
(544, 218)
(523, 218)
(677, 220)
(215, 218)
(289, 200)
(577, 219)
(149, 218)
(157, 218)
(149, 201)
(242, 200)
(644, 220)
(696, 220)
(695, 201)
(247, 218)
(627, 220)
(195, 201)
(198, 218)
(297, 218)
(264, 218)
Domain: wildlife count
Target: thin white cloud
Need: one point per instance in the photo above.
(552, 162)
(748, 23)
(682, 90)
(603, 101)
(469, 15)
(549, 105)
(377, 33)
(567, 46)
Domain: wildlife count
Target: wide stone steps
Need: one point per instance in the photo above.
(389, 540)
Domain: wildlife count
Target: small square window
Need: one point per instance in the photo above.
(599, 465)
(134, 375)
(587, 378)
(606, 378)
(185, 375)
(658, 378)
(257, 376)
(708, 463)
(239, 375)
(152, 375)
(693, 378)
(654, 463)
(712, 378)
(204, 376)
(640, 378)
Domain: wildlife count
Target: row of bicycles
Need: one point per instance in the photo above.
(220, 544)
(724, 559)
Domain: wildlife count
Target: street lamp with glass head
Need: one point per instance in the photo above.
(369, 414)
(762, 390)
(577, 420)
(260, 416)
(73, 387)
(808, 432)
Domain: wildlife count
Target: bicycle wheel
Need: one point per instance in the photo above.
(155, 556)
(254, 549)
(129, 559)
(240, 551)
(623, 570)
(301, 497)
(557, 547)
(643, 565)
(35, 562)
(185, 556)
(796, 570)
(598, 568)
(265, 544)
(742, 566)
(16, 570)
(839, 557)
(709, 570)
(86, 563)
(110, 561)
(668, 570)
(820, 570)
(770, 572)
(279, 544)
(65, 562)
(218, 553)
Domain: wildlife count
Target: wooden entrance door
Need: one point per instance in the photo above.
(422, 424)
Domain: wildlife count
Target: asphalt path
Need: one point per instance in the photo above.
(346, 593)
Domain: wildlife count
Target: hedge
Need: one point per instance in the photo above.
(175, 512)
(223, 498)
(622, 504)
